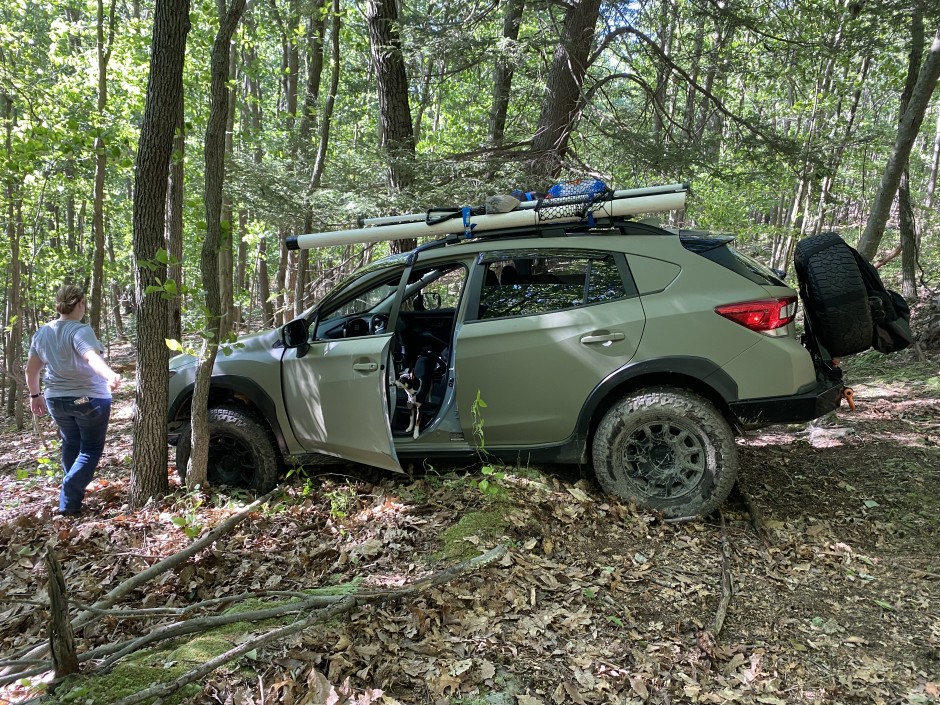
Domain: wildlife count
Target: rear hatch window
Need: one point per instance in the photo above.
(718, 249)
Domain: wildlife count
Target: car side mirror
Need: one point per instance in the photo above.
(294, 333)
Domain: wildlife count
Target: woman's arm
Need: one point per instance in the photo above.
(98, 364)
(37, 403)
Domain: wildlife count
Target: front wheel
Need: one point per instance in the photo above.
(241, 451)
(668, 450)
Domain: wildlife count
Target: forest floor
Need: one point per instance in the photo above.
(831, 544)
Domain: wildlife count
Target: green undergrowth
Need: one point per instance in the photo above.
(875, 368)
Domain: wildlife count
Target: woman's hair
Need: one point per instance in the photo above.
(67, 298)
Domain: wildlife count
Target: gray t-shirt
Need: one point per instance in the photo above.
(62, 345)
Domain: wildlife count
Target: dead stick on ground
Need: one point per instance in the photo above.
(345, 604)
(727, 588)
(757, 519)
(11, 673)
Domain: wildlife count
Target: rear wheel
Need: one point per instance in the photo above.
(835, 296)
(241, 451)
(668, 450)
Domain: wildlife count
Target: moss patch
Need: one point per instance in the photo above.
(459, 541)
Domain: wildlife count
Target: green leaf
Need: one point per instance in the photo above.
(173, 344)
(884, 605)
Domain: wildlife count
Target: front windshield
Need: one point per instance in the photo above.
(352, 281)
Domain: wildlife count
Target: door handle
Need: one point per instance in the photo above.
(365, 366)
(602, 337)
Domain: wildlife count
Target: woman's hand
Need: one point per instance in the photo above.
(38, 405)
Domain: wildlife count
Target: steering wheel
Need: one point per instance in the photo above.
(378, 324)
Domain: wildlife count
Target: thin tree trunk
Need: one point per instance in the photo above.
(907, 225)
(161, 112)
(101, 165)
(934, 165)
(396, 131)
(115, 295)
(210, 264)
(503, 72)
(907, 132)
(562, 99)
(175, 198)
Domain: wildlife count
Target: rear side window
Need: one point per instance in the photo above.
(720, 251)
(530, 285)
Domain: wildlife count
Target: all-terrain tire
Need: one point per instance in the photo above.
(242, 452)
(668, 450)
(834, 294)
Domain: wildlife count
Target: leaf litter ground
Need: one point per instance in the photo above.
(831, 545)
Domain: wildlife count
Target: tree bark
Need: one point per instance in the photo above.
(396, 131)
(907, 132)
(101, 165)
(562, 99)
(164, 95)
(210, 261)
(934, 166)
(504, 69)
(174, 224)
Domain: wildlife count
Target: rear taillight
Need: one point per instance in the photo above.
(769, 316)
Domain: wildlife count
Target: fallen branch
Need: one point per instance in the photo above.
(341, 605)
(323, 606)
(756, 517)
(727, 589)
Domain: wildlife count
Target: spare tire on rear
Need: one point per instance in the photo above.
(834, 295)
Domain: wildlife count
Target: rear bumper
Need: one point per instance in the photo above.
(819, 401)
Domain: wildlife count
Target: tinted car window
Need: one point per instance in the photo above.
(718, 249)
(529, 285)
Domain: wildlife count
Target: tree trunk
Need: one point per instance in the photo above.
(316, 30)
(115, 294)
(210, 261)
(907, 132)
(934, 165)
(396, 131)
(561, 102)
(101, 164)
(505, 67)
(161, 112)
(174, 224)
(907, 225)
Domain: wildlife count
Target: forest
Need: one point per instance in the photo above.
(161, 152)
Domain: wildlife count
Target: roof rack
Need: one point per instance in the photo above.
(565, 209)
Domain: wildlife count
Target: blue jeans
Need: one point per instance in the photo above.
(83, 425)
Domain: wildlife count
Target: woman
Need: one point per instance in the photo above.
(78, 386)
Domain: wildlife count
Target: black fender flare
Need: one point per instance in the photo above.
(696, 373)
(235, 387)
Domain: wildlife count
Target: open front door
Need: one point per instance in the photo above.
(336, 398)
